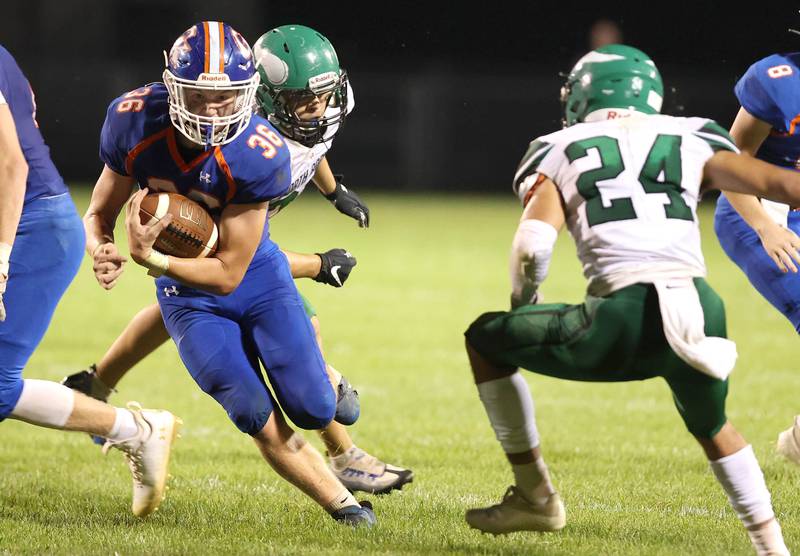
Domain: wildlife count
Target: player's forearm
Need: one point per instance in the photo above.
(728, 171)
(13, 176)
(108, 197)
(303, 265)
(98, 231)
(751, 210)
(210, 274)
(323, 178)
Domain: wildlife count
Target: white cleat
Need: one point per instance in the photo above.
(515, 513)
(357, 470)
(789, 442)
(148, 455)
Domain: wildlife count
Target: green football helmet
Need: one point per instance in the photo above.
(612, 76)
(297, 63)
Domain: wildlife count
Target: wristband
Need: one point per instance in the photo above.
(157, 263)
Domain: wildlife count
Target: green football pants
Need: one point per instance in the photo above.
(309, 308)
(611, 339)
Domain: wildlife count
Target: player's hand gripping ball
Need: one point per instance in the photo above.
(192, 232)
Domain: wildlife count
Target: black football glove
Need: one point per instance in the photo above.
(336, 267)
(348, 203)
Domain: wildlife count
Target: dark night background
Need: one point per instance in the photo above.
(447, 97)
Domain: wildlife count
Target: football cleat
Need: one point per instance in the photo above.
(148, 453)
(87, 382)
(356, 516)
(348, 407)
(515, 513)
(789, 442)
(357, 470)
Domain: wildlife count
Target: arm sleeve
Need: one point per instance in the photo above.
(715, 136)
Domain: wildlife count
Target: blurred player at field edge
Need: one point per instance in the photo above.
(307, 96)
(759, 235)
(41, 245)
(626, 181)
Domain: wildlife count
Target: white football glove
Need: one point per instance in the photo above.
(530, 260)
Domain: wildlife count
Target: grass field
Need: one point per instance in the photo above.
(634, 482)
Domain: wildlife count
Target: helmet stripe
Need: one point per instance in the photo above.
(205, 42)
(221, 48)
(213, 47)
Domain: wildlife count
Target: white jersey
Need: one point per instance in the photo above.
(306, 159)
(630, 188)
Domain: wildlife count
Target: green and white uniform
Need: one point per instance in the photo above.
(630, 188)
(305, 161)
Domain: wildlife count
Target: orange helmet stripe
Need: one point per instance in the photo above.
(208, 49)
(221, 48)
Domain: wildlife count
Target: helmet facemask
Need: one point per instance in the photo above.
(286, 101)
(210, 131)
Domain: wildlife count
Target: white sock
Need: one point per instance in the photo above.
(533, 480)
(743, 482)
(124, 426)
(44, 403)
(509, 405)
(769, 540)
(342, 500)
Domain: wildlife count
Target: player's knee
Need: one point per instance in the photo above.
(250, 419)
(10, 392)
(705, 427)
(483, 369)
(314, 413)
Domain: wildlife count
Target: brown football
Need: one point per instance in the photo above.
(192, 232)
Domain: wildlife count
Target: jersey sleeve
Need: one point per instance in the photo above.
(714, 135)
(113, 151)
(530, 170)
(760, 88)
(266, 179)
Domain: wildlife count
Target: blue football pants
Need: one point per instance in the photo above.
(47, 254)
(221, 340)
(741, 243)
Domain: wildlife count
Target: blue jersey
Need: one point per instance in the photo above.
(770, 91)
(139, 140)
(43, 178)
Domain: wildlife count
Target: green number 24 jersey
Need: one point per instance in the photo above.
(630, 187)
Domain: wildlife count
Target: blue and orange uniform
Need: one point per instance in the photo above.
(48, 245)
(769, 91)
(222, 338)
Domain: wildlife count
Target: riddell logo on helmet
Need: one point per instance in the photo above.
(322, 82)
(214, 77)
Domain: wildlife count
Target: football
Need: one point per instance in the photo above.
(192, 232)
